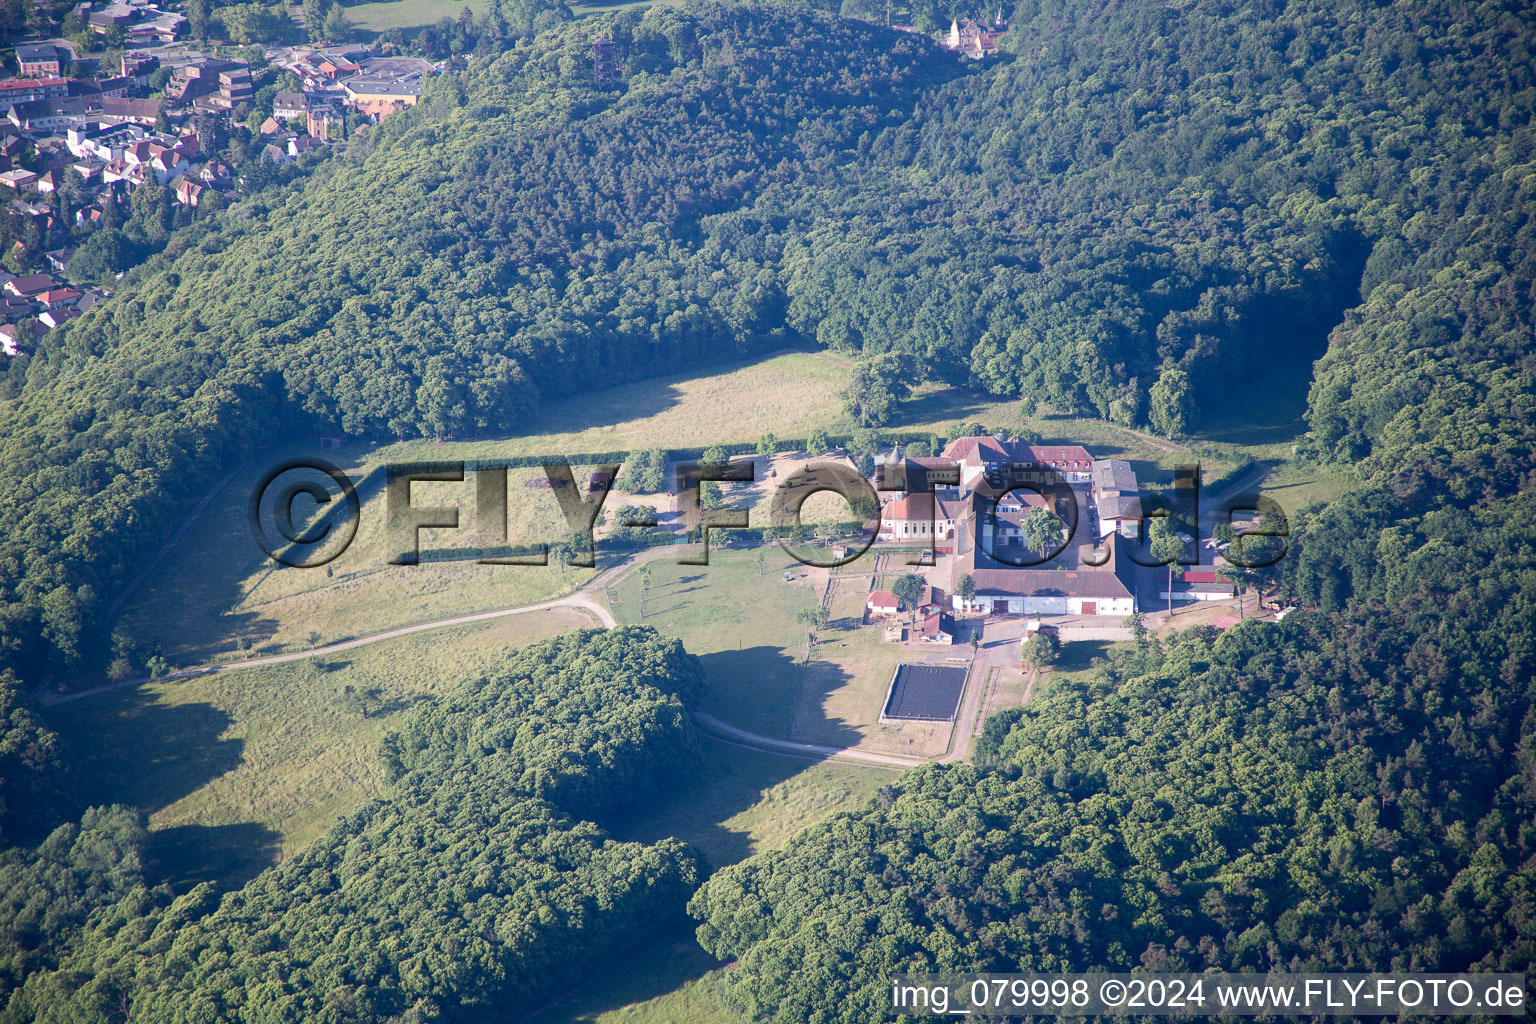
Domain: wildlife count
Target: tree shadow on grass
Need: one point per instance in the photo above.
(1080, 655)
(763, 690)
(127, 747)
(732, 778)
(669, 959)
(951, 403)
(227, 855)
(755, 689)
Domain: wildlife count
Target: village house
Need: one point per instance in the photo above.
(934, 627)
(57, 298)
(920, 475)
(130, 111)
(999, 523)
(920, 517)
(1117, 497)
(30, 286)
(115, 88)
(198, 77)
(1120, 514)
(1113, 478)
(1072, 461)
(18, 179)
(215, 173)
(974, 39)
(325, 123)
(882, 603)
(1106, 590)
(287, 106)
(377, 98)
(138, 67)
(1198, 583)
(234, 89)
(991, 459)
(12, 335)
(41, 116)
(38, 61)
(26, 90)
(54, 317)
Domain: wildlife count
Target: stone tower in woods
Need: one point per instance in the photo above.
(605, 66)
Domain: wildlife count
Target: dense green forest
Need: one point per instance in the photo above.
(1346, 792)
(480, 877)
(515, 235)
(1353, 788)
(1150, 212)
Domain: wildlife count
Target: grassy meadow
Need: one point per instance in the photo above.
(738, 615)
(217, 596)
(240, 769)
(217, 589)
(739, 619)
(407, 15)
(788, 394)
(675, 983)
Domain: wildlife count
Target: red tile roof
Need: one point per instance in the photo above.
(1074, 455)
(976, 450)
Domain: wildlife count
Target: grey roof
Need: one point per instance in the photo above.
(395, 67)
(1114, 475)
(381, 86)
(34, 54)
(1127, 506)
(1064, 582)
(928, 693)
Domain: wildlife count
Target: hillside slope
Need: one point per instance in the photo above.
(510, 237)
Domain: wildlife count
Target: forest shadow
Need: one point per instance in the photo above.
(579, 410)
(811, 723)
(669, 959)
(951, 403)
(188, 607)
(164, 751)
(763, 690)
(1080, 655)
(731, 779)
(227, 855)
(1265, 400)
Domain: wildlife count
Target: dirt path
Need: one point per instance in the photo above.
(165, 549)
(962, 734)
(1209, 503)
(815, 751)
(1029, 684)
(1162, 444)
(576, 601)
